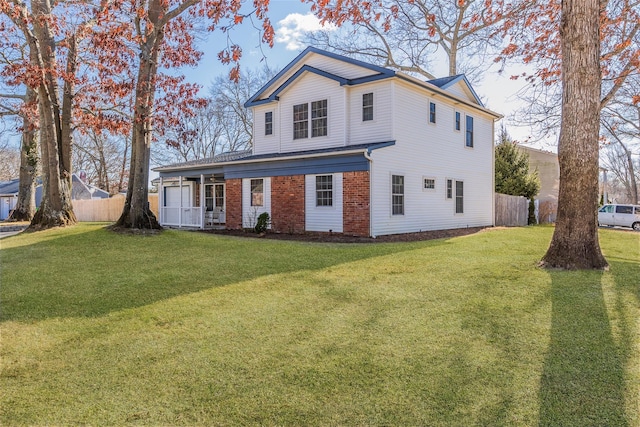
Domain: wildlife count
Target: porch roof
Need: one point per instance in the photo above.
(244, 164)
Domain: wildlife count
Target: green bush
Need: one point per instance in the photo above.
(262, 223)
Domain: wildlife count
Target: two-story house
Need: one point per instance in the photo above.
(348, 147)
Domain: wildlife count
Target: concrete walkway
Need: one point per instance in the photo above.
(10, 230)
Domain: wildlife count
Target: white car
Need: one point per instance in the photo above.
(620, 215)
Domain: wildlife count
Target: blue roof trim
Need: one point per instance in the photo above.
(310, 69)
(255, 99)
(315, 165)
(281, 163)
(446, 82)
(328, 151)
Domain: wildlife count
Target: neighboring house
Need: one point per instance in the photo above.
(346, 147)
(9, 194)
(9, 197)
(546, 163)
(82, 191)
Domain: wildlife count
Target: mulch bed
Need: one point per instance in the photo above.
(341, 238)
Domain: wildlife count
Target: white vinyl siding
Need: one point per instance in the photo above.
(262, 143)
(337, 67)
(323, 218)
(250, 213)
(439, 151)
(380, 129)
(307, 89)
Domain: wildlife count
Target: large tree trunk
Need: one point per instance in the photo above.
(26, 204)
(56, 208)
(136, 212)
(575, 240)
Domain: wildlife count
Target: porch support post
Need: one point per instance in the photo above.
(180, 210)
(202, 201)
(161, 201)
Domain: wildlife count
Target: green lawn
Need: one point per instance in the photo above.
(187, 328)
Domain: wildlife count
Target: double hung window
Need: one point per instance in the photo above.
(324, 190)
(367, 107)
(469, 133)
(397, 194)
(459, 197)
(257, 192)
(318, 119)
(268, 123)
(300, 121)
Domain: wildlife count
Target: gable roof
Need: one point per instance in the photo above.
(271, 91)
(446, 82)
(9, 188)
(264, 95)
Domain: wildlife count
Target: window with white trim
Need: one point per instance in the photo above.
(397, 195)
(469, 132)
(459, 197)
(428, 183)
(449, 191)
(324, 190)
(319, 118)
(300, 121)
(257, 192)
(457, 121)
(268, 123)
(367, 107)
(432, 112)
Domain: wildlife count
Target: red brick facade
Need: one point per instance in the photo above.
(287, 204)
(234, 204)
(356, 204)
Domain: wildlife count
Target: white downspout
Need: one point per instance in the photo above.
(367, 156)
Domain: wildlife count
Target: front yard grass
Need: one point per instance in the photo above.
(187, 328)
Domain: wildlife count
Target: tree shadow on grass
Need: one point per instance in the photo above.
(583, 380)
(96, 272)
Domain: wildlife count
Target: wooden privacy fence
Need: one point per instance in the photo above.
(106, 209)
(511, 211)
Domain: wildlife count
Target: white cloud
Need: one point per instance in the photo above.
(292, 28)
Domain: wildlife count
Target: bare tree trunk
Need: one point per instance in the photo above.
(575, 240)
(56, 208)
(136, 212)
(26, 204)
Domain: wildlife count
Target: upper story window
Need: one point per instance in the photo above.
(300, 121)
(324, 190)
(397, 195)
(469, 130)
(432, 112)
(367, 107)
(268, 123)
(458, 120)
(319, 118)
(257, 192)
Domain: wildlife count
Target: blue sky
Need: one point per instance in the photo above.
(291, 18)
